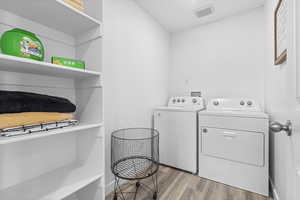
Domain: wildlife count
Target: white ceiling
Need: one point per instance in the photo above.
(177, 15)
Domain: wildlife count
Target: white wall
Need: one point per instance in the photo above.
(136, 60)
(230, 58)
(222, 59)
(282, 77)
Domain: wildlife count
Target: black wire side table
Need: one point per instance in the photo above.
(135, 157)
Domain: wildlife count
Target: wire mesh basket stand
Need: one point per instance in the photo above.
(135, 158)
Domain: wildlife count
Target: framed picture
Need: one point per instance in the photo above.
(281, 32)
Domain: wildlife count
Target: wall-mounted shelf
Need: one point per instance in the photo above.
(80, 127)
(55, 185)
(54, 14)
(24, 65)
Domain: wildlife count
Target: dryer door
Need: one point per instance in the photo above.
(178, 139)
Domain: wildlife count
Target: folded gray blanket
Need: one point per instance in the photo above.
(16, 102)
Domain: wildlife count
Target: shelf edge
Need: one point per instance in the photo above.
(47, 65)
(80, 127)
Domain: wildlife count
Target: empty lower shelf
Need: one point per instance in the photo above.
(55, 185)
(79, 127)
(70, 189)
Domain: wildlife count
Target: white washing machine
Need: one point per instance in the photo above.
(178, 128)
(234, 144)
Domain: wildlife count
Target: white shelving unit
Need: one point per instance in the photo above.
(65, 163)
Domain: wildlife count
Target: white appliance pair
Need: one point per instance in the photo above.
(227, 142)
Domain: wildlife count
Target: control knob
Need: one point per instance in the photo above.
(216, 103)
(249, 103)
(194, 100)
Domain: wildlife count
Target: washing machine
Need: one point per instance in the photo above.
(234, 144)
(177, 124)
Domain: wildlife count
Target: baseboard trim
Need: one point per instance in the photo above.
(274, 191)
(72, 197)
(109, 187)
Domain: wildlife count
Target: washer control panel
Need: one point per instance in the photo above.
(186, 101)
(243, 104)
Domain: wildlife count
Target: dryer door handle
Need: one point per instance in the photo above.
(229, 135)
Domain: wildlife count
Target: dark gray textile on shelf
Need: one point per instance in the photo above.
(16, 102)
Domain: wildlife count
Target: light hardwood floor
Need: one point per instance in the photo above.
(178, 185)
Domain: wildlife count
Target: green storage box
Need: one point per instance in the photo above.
(22, 43)
(79, 64)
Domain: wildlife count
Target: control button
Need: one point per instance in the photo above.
(182, 100)
(178, 100)
(194, 100)
(204, 130)
(216, 103)
(242, 103)
(249, 103)
(174, 100)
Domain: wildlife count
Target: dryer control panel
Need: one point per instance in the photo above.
(238, 104)
(186, 102)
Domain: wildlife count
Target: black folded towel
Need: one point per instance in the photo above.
(16, 102)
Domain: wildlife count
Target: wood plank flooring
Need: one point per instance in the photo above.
(178, 185)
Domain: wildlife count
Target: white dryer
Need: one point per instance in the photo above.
(234, 144)
(177, 124)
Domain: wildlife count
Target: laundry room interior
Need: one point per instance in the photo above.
(150, 99)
